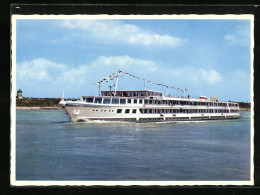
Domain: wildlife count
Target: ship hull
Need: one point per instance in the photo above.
(102, 113)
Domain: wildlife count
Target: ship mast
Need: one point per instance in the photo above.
(99, 85)
(117, 76)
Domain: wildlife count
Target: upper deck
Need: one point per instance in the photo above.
(132, 93)
(149, 97)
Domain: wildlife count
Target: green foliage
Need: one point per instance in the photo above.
(244, 105)
(38, 102)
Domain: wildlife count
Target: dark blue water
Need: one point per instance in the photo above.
(49, 147)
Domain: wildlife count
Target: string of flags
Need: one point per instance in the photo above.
(114, 75)
(155, 82)
(108, 78)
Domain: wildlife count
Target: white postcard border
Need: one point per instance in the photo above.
(15, 182)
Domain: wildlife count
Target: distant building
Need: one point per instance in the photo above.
(19, 94)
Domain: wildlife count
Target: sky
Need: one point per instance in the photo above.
(207, 57)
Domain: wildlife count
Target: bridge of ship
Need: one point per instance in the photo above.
(132, 93)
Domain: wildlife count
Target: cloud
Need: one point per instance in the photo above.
(191, 76)
(38, 69)
(116, 31)
(230, 38)
(210, 76)
(124, 62)
(240, 36)
(41, 77)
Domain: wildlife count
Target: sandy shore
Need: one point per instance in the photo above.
(244, 109)
(37, 108)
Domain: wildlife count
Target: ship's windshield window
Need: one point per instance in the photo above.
(106, 101)
(127, 110)
(115, 101)
(150, 101)
(119, 111)
(134, 111)
(140, 101)
(146, 101)
(98, 100)
(135, 101)
(89, 100)
(122, 101)
(129, 101)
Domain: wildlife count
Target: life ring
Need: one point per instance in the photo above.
(144, 105)
(76, 112)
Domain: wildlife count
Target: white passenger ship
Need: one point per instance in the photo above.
(147, 106)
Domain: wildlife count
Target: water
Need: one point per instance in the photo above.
(49, 147)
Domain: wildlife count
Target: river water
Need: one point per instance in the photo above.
(50, 147)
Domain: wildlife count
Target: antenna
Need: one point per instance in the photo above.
(111, 87)
(99, 87)
(184, 91)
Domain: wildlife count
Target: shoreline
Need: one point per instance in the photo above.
(37, 108)
(244, 109)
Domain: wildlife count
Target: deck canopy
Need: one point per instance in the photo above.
(132, 93)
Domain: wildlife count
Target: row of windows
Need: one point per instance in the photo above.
(179, 118)
(161, 119)
(163, 111)
(154, 102)
(102, 110)
(131, 93)
(127, 111)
